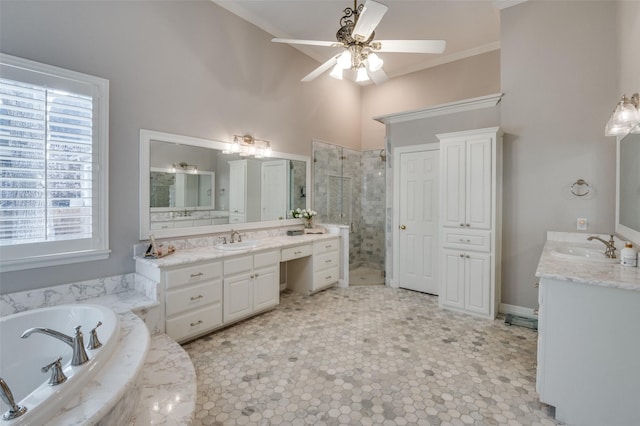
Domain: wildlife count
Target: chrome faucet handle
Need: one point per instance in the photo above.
(94, 342)
(57, 376)
(224, 239)
(6, 395)
(79, 354)
(611, 248)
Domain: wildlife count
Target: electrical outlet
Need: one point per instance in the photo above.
(581, 223)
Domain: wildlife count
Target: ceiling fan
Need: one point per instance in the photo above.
(356, 36)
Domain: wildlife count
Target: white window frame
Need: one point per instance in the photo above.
(43, 254)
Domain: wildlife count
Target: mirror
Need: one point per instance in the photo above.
(193, 186)
(628, 187)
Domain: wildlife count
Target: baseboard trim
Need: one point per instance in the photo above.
(517, 310)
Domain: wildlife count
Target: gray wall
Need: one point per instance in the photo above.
(558, 72)
(185, 67)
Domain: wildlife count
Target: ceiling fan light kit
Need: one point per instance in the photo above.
(356, 36)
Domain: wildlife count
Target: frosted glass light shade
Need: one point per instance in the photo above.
(336, 72)
(625, 117)
(344, 60)
(362, 75)
(375, 63)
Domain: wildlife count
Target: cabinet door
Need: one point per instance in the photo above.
(237, 186)
(477, 283)
(266, 287)
(453, 183)
(478, 183)
(452, 291)
(237, 297)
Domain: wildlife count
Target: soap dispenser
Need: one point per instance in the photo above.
(628, 255)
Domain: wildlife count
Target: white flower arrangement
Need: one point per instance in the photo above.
(302, 213)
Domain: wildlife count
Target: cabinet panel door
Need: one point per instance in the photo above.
(237, 186)
(452, 291)
(478, 183)
(477, 275)
(266, 288)
(237, 297)
(453, 184)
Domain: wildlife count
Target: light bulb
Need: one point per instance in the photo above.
(362, 75)
(344, 60)
(375, 63)
(336, 72)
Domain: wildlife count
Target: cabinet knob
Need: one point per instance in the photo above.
(197, 297)
(403, 227)
(193, 324)
(327, 261)
(536, 285)
(327, 277)
(461, 255)
(468, 224)
(199, 274)
(256, 275)
(467, 256)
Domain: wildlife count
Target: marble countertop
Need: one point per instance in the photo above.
(183, 257)
(584, 271)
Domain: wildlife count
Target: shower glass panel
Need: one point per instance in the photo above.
(349, 189)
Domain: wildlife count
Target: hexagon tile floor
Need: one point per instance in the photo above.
(367, 355)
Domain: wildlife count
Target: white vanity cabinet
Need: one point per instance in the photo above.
(244, 194)
(321, 271)
(193, 300)
(588, 351)
(251, 284)
(470, 220)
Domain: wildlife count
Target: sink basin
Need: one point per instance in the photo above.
(590, 254)
(241, 245)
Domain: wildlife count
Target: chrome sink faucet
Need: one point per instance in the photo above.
(610, 251)
(76, 342)
(233, 234)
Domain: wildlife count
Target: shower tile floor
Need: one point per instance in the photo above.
(364, 275)
(367, 355)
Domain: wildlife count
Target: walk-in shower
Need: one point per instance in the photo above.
(349, 189)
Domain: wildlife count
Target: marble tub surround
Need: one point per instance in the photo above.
(168, 385)
(602, 274)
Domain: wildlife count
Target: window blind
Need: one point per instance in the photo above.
(46, 164)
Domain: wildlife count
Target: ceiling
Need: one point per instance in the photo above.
(469, 27)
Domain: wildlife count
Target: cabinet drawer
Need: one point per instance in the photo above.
(270, 258)
(196, 322)
(193, 274)
(296, 252)
(467, 239)
(325, 246)
(192, 297)
(325, 261)
(237, 265)
(325, 277)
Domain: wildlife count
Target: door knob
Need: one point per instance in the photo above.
(403, 227)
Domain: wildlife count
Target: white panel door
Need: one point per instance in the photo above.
(274, 190)
(453, 276)
(266, 288)
(418, 259)
(237, 297)
(478, 183)
(237, 186)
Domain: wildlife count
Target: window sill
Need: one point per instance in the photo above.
(53, 260)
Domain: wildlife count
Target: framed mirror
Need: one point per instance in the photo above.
(193, 186)
(628, 187)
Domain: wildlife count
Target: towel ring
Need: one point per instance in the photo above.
(580, 182)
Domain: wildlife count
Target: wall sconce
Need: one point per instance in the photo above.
(185, 167)
(248, 146)
(625, 117)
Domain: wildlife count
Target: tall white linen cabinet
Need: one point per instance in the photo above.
(470, 221)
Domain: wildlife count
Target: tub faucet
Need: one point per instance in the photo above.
(6, 395)
(610, 251)
(76, 342)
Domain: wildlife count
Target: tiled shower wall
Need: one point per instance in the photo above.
(349, 188)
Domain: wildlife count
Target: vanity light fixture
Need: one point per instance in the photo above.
(185, 166)
(625, 117)
(248, 146)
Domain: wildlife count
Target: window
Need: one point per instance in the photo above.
(53, 165)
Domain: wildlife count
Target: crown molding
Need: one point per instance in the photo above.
(487, 101)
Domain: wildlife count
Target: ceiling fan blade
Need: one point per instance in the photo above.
(321, 69)
(378, 77)
(307, 42)
(368, 20)
(412, 46)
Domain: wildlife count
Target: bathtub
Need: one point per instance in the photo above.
(22, 359)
